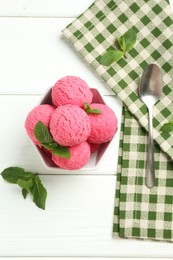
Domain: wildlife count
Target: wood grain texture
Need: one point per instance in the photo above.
(45, 8)
(81, 258)
(77, 221)
(34, 55)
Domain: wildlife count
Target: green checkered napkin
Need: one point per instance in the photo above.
(139, 211)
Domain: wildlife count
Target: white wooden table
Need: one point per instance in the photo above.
(78, 219)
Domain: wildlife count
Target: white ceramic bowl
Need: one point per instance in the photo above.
(95, 158)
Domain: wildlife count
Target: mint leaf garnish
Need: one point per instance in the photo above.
(13, 174)
(59, 150)
(125, 43)
(24, 193)
(42, 133)
(111, 56)
(25, 184)
(39, 192)
(122, 44)
(43, 136)
(29, 182)
(168, 127)
(90, 110)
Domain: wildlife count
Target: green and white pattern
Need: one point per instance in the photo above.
(140, 212)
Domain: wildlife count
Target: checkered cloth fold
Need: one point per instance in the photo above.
(139, 211)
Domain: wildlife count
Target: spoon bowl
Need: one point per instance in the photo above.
(150, 91)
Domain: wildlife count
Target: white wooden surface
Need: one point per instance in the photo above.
(78, 218)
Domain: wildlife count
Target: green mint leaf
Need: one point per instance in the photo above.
(90, 110)
(86, 106)
(121, 44)
(47, 146)
(25, 184)
(168, 127)
(59, 150)
(127, 41)
(13, 174)
(42, 133)
(95, 111)
(111, 56)
(43, 136)
(29, 182)
(53, 145)
(39, 192)
(24, 193)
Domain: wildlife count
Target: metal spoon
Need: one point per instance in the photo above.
(150, 91)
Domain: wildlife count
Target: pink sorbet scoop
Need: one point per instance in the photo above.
(103, 125)
(39, 113)
(71, 90)
(79, 156)
(70, 125)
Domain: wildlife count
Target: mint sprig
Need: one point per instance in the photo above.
(127, 41)
(42, 133)
(90, 110)
(168, 127)
(13, 174)
(125, 44)
(38, 192)
(29, 182)
(43, 136)
(111, 56)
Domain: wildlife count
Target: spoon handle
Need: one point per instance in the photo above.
(150, 172)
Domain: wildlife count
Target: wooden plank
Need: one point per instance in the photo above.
(18, 150)
(34, 55)
(44, 8)
(71, 223)
(80, 258)
(77, 221)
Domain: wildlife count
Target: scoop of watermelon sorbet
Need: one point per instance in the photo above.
(79, 156)
(41, 113)
(71, 90)
(70, 125)
(103, 125)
